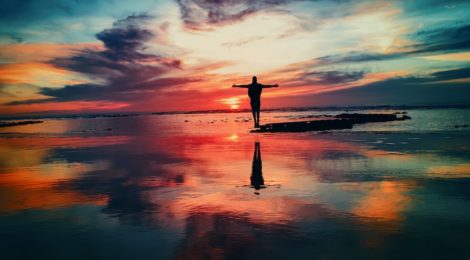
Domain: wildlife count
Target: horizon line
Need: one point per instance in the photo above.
(214, 111)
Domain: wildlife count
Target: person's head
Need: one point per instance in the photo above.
(254, 80)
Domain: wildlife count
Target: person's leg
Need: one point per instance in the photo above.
(253, 111)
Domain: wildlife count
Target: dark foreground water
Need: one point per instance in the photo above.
(202, 187)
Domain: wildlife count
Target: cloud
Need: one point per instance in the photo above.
(38, 52)
(439, 88)
(134, 62)
(243, 41)
(62, 21)
(442, 39)
(198, 14)
(461, 73)
(127, 91)
(124, 42)
(204, 14)
(67, 93)
(356, 56)
(334, 77)
(123, 70)
(17, 38)
(126, 36)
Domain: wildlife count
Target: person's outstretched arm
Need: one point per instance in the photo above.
(239, 86)
(271, 86)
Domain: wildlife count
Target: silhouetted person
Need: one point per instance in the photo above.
(257, 181)
(254, 92)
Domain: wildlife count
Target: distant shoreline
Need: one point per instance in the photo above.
(8, 124)
(286, 109)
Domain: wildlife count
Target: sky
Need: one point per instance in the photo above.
(62, 56)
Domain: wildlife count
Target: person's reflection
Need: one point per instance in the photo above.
(257, 181)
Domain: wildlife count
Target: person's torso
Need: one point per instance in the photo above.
(254, 91)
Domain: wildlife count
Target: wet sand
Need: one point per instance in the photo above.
(193, 186)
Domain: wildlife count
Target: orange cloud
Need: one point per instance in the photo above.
(40, 52)
(461, 56)
(40, 74)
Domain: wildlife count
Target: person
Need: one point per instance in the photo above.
(254, 92)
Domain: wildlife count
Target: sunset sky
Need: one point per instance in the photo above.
(61, 56)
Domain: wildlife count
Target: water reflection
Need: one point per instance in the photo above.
(257, 180)
(179, 195)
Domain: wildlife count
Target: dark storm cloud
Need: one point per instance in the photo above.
(127, 71)
(67, 93)
(442, 39)
(334, 77)
(126, 91)
(452, 74)
(124, 42)
(126, 37)
(412, 90)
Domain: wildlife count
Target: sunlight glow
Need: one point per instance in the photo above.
(233, 137)
(233, 102)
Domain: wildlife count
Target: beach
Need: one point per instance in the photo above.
(188, 186)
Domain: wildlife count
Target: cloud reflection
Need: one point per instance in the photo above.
(320, 188)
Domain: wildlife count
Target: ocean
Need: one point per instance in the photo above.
(202, 186)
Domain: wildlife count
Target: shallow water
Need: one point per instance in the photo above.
(190, 186)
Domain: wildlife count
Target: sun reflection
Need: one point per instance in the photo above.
(233, 137)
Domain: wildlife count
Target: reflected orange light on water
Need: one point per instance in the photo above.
(450, 171)
(208, 174)
(28, 180)
(383, 201)
(219, 181)
(233, 137)
(26, 189)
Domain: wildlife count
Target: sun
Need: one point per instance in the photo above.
(233, 102)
